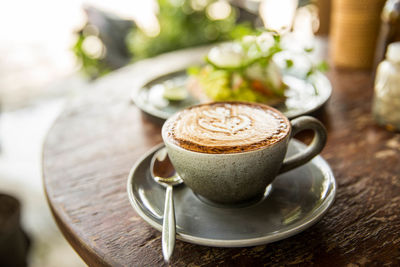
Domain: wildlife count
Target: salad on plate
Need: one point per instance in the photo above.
(240, 70)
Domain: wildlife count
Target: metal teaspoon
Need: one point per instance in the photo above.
(164, 173)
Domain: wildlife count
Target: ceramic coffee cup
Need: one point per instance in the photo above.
(237, 177)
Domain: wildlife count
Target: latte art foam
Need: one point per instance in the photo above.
(223, 120)
(226, 127)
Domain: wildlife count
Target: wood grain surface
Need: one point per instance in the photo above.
(92, 146)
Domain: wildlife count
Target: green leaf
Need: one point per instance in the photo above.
(289, 63)
(193, 70)
(309, 49)
(241, 30)
(322, 66)
(277, 38)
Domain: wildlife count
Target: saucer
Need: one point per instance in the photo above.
(305, 94)
(294, 201)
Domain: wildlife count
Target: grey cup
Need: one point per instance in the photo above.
(238, 177)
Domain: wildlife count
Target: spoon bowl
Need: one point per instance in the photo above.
(162, 170)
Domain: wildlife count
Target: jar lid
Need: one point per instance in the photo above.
(393, 52)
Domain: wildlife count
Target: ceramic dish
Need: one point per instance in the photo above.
(304, 95)
(294, 201)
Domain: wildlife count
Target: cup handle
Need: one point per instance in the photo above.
(316, 146)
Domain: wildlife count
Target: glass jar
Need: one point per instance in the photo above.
(390, 29)
(386, 104)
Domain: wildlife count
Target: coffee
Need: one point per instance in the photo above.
(226, 127)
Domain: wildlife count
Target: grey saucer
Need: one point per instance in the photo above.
(295, 201)
(304, 95)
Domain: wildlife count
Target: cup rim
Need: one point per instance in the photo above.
(169, 142)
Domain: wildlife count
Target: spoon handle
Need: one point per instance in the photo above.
(169, 227)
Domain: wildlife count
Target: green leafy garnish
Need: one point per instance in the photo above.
(174, 92)
(289, 63)
(322, 66)
(243, 70)
(193, 70)
(309, 49)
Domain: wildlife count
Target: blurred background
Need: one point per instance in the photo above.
(53, 50)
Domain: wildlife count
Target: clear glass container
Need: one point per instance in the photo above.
(386, 104)
(390, 29)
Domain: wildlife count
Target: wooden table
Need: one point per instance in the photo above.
(92, 146)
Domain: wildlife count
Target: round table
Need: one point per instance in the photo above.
(92, 146)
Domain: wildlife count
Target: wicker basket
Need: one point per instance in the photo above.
(354, 30)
